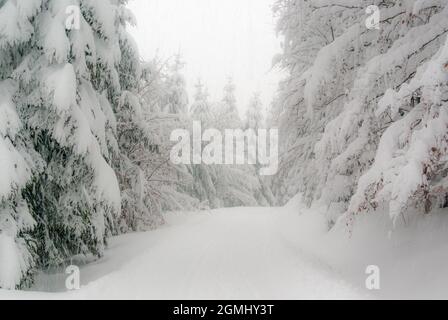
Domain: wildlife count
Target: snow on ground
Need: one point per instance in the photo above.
(223, 254)
(413, 259)
(263, 253)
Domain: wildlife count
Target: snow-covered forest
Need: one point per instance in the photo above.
(363, 112)
(85, 167)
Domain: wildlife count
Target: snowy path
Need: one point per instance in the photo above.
(225, 254)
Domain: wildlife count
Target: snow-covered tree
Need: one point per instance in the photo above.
(16, 170)
(176, 95)
(139, 139)
(339, 70)
(72, 125)
(18, 162)
(254, 113)
(255, 121)
(410, 172)
(62, 75)
(308, 28)
(351, 139)
(166, 184)
(201, 108)
(226, 112)
(153, 90)
(223, 185)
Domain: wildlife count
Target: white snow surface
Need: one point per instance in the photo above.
(260, 253)
(223, 254)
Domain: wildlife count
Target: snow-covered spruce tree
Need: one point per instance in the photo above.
(15, 218)
(201, 109)
(338, 91)
(254, 113)
(153, 89)
(176, 97)
(166, 182)
(137, 142)
(255, 121)
(17, 258)
(350, 141)
(203, 177)
(410, 172)
(71, 83)
(18, 162)
(307, 27)
(163, 87)
(225, 113)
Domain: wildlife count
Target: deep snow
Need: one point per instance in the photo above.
(262, 253)
(222, 254)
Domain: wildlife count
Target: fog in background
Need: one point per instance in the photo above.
(217, 39)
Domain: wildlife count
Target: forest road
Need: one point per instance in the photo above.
(223, 254)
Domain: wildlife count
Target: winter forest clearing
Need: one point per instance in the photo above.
(120, 172)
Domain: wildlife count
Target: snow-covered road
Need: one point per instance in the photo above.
(224, 254)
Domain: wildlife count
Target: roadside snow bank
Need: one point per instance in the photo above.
(413, 259)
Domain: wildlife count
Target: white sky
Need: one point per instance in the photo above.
(217, 39)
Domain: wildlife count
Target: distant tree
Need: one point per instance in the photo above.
(176, 95)
(226, 112)
(254, 113)
(201, 108)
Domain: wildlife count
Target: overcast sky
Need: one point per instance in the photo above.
(217, 39)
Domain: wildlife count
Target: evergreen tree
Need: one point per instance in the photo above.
(201, 109)
(410, 173)
(176, 96)
(163, 184)
(254, 113)
(18, 163)
(255, 121)
(62, 75)
(339, 72)
(69, 96)
(225, 113)
(17, 168)
(138, 144)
